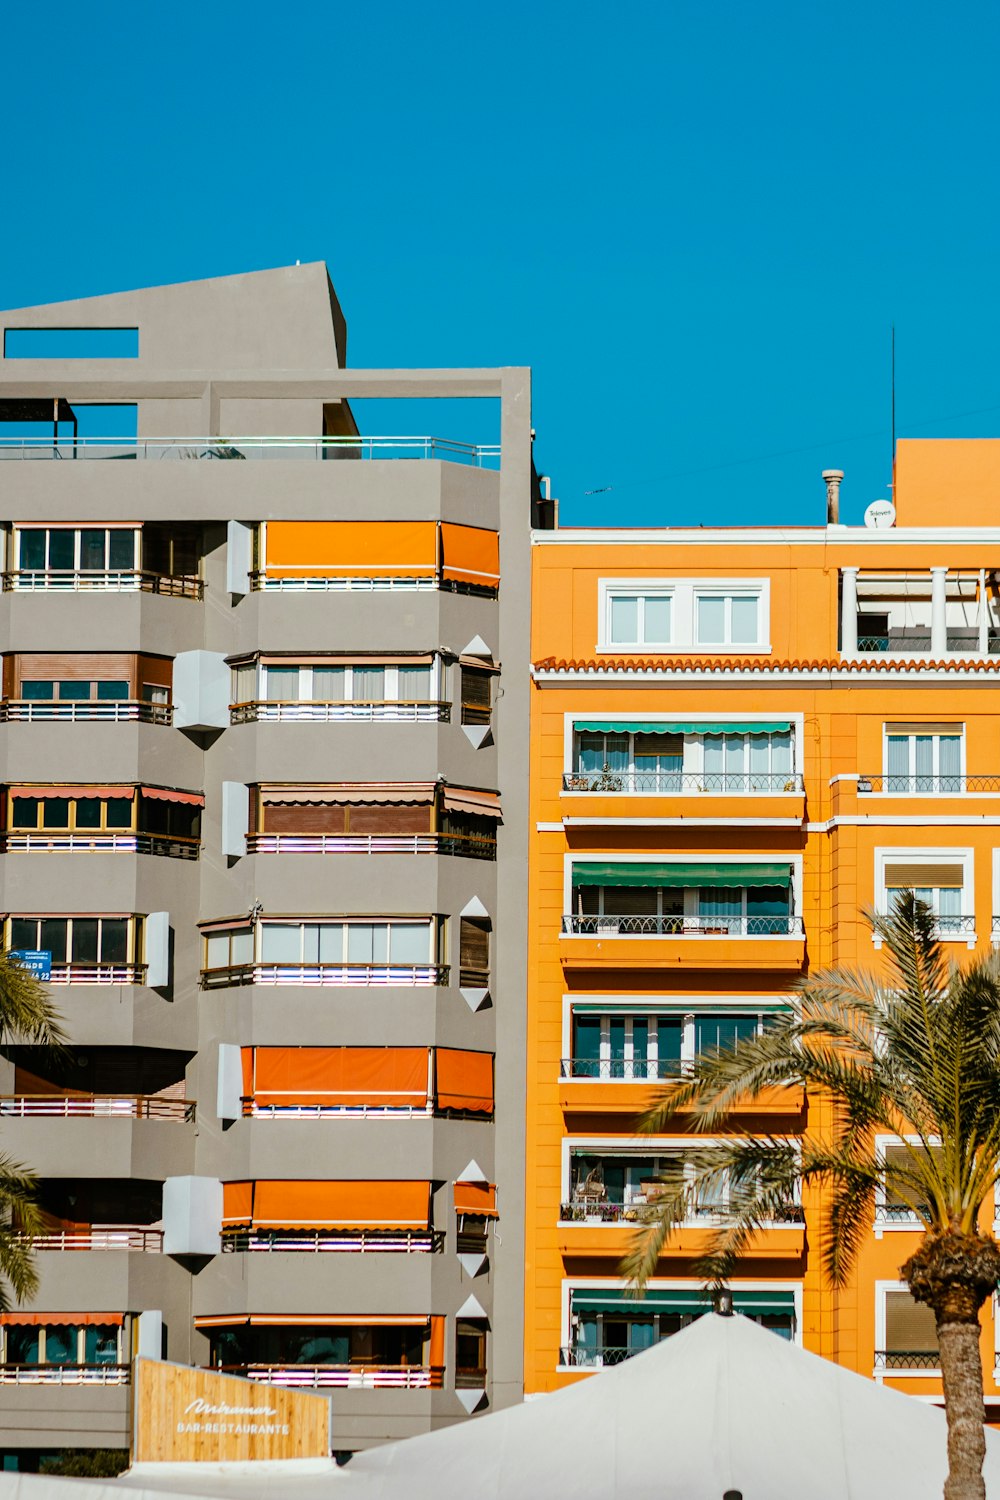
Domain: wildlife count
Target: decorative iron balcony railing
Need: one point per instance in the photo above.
(927, 786)
(677, 783)
(610, 926)
(578, 1211)
(594, 1356)
(621, 1069)
(907, 1359)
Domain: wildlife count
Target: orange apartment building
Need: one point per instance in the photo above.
(740, 739)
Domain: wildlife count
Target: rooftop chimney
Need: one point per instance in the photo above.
(832, 478)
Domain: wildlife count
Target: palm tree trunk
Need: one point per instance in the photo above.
(962, 1378)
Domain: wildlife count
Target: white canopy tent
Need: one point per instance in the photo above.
(722, 1407)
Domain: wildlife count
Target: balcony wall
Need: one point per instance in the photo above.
(698, 951)
(593, 1240)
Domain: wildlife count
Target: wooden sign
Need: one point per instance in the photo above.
(186, 1415)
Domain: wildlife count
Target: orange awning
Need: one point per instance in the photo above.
(464, 1080)
(78, 792)
(476, 1198)
(389, 1077)
(478, 804)
(471, 555)
(167, 794)
(312, 1320)
(351, 549)
(352, 793)
(280, 1204)
(62, 1320)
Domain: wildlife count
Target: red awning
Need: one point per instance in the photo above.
(387, 1077)
(312, 1320)
(168, 794)
(62, 1320)
(476, 1198)
(78, 792)
(464, 1080)
(479, 804)
(282, 1204)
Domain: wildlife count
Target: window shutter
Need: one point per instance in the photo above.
(474, 951)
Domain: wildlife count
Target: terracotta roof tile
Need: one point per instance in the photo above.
(881, 663)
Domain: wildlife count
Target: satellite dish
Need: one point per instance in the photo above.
(880, 515)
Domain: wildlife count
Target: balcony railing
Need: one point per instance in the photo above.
(621, 1069)
(928, 786)
(677, 783)
(479, 455)
(907, 1359)
(96, 1106)
(80, 711)
(898, 1213)
(100, 580)
(114, 1374)
(594, 1356)
(170, 845)
(918, 640)
(118, 1237)
(97, 973)
(359, 1241)
(593, 1210)
(610, 926)
(338, 712)
(252, 1110)
(366, 975)
(356, 1376)
(372, 843)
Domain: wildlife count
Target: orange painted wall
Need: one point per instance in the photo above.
(843, 736)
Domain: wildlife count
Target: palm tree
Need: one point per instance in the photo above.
(26, 1015)
(914, 1053)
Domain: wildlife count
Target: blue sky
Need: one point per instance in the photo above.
(696, 221)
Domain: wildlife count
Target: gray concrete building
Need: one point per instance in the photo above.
(263, 750)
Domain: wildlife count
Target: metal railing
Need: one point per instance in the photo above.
(357, 1376)
(588, 1210)
(114, 1374)
(333, 712)
(964, 641)
(119, 1237)
(907, 1359)
(252, 1110)
(102, 580)
(172, 846)
(372, 843)
(96, 1106)
(479, 455)
(97, 973)
(898, 1213)
(927, 786)
(356, 1241)
(366, 975)
(676, 783)
(610, 926)
(83, 710)
(594, 1356)
(621, 1069)
(261, 582)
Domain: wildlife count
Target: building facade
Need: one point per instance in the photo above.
(264, 814)
(740, 740)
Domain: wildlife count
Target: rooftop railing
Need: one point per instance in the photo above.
(79, 711)
(102, 581)
(356, 1376)
(359, 1241)
(674, 926)
(172, 846)
(677, 783)
(96, 1106)
(365, 975)
(298, 712)
(478, 455)
(927, 786)
(466, 846)
(114, 1374)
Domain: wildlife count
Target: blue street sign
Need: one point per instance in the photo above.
(37, 961)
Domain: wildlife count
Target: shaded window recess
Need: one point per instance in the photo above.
(71, 343)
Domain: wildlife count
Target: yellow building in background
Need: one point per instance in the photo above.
(740, 739)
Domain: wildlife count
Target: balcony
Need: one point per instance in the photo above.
(172, 846)
(339, 974)
(295, 711)
(55, 1106)
(85, 711)
(697, 942)
(465, 846)
(925, 1360)
(619, 1086)
(97, 973)
(349, 447)
(934, 613)
(320, 1241)
(926, 786)
(101, 1237)
(98, 580)
(353, 1376)
(25, 1374)
(597, 1236)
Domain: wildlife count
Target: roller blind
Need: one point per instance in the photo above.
(387, 1077)
(351, 549)
(476, 1198)
(470, 555)
(674, 875)
(921, 877)
(464, 1080)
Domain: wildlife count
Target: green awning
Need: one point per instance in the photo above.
(631, 726)
(675, 874)
(664, 1299)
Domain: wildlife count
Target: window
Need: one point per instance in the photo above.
(75, 940)
(923, 758)
(909, 1333)
(89, 549)
(75, 690)
(900, 1202)
(674, 758)
(92, 1344)
(754, 910)
(477, 695)
(229, 949)
(684, 614)
(638, 1046)
(155, 692)
(334, 684)
(311, 945)
(474, 952)
(944, 883)
(68, 814)
(470, 1354)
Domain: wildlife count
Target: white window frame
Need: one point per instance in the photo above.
(305, 681)
(690, 904)
(669, 1008)
(881, 1287)
(684, 594)
(911, 1224)
(693, 742)
(345, 923)
(928, 856)
(913, 735)
(649, 1146)
(76, 528)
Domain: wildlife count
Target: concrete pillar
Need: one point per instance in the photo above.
(939, 619)
(849, 612)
